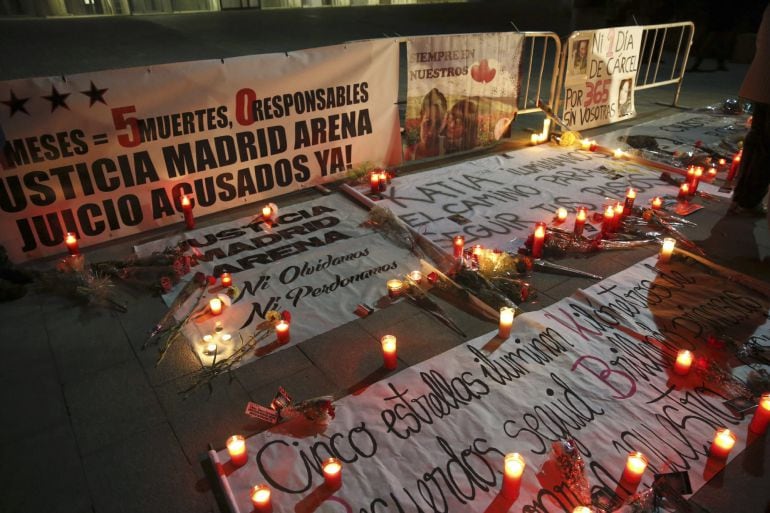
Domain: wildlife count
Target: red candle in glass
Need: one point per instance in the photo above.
(513, 469)
(580, 221)
(374, 183)
(734, 165)
(383, 181)
(236, 448)
(636, 464)
(260, 499)
(389, 353)
(71, 241)
(267, 213)
(684, 191)
(629, 205)
(332, 469)
(187, 207)
(458, 244)
(618, 216)
(226, 279)
(561, 215)
(282, 331)
(683, 362)
(762, 416)
(696, 176)
(723, 443)
(657, 202)
(538, 240)
(609, 220)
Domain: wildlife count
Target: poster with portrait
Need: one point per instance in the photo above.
(599, 77)
(461, 92)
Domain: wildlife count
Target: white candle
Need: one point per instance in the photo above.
(666, 250)
(506, 321)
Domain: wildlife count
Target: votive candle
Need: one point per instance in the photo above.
(734, 165)
(506, 321)
(609, 220)
(618, 216)
(236, 448)
(636, 463)
(226, 279)
(458, 244)
(282, 331)
(513, 469)
(394, 288)
(657, 203)
(416, 276)
(696, 176)
(260, 499)
(374, 183)
(215, 305)
(389, 353)
(629, 205)
(332, 469)
(561, 215)
(383, 181)
(724, 440)
(684, 191)
(71, 241)
(666, 250)
(580, 221)
(267, 213)
(683, 362)
(618, 153)
(538, 240)
(761, 416)
(187, 207)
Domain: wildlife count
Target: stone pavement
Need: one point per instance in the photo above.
(90, 423)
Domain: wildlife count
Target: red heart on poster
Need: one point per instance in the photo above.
(481, 72)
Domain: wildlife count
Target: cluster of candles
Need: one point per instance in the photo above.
(690, 186)
(211, 347)
(378, 181)
(513, 463)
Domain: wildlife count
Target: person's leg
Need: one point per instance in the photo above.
(754, 173)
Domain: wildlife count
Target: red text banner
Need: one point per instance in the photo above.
(110, 154)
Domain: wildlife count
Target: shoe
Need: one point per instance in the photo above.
(756, 211)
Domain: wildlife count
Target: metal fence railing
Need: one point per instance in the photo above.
(672, 40)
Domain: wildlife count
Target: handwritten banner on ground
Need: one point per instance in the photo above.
(109, 154)
(316, 261)
(461, 92)
(600, 74)
(665, 139)
(495, 201)
(595, 367)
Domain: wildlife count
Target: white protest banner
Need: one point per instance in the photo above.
(109, 154)
(462, 91)
(316, 261)
(495, 201)
(600, 75)
(596, 368)
(671, 137)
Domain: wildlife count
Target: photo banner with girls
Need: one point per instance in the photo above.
(575, 389)
(599, 77)
(462, 92)
(110, 154)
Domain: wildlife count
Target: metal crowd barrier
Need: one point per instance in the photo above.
(662, 58)
(655, 40)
